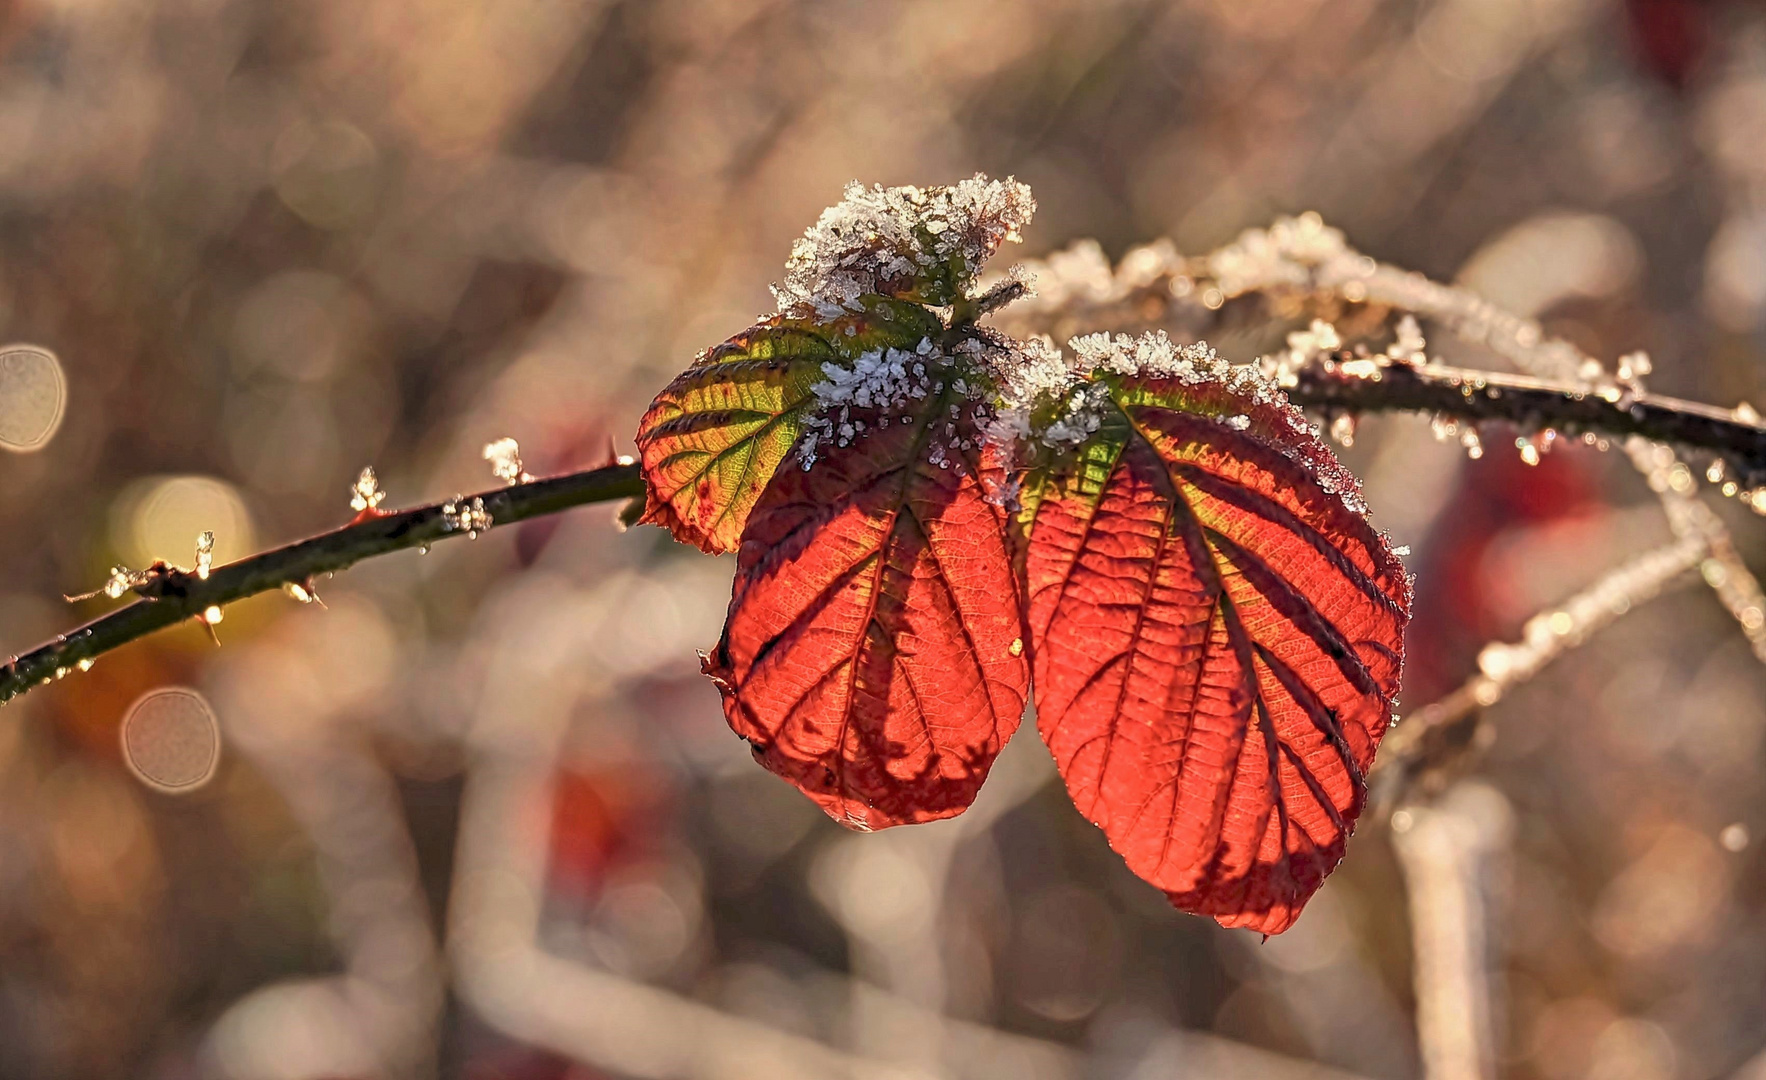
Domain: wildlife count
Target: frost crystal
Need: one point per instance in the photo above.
(505, 458)
(205, 554)
(469, 516)
(884, 380)
(1026, 374)
(1410, 345)
(1153, 355)
(1083, 415)
(901, 242)
(366, 494)
(1285, 254)
(122, 579)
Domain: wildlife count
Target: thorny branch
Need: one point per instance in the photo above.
(1356, 385)
(172, 596)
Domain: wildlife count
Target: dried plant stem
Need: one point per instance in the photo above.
(1359, 386)
(1432, 732)
(174, 596)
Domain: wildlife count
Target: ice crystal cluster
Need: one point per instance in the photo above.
(882, 382)
(1287, 254)
(1024, 399)
(911, 243)
(469, 516)
(505, 457)
(205, 554)
(365, 493)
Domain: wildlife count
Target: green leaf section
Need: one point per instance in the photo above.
(1071, 472)
(713, 438)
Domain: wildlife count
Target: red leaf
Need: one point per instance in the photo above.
(872, 653)
(712, 439)
(1217, 636)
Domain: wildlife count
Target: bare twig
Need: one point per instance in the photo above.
(1434, 731)
(173, 596)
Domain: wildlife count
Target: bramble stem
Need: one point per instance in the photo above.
(1533, 403)
(174, 596)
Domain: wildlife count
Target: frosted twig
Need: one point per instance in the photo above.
(1450, 853)
(174, 595)
(1361, 386)
(1689, 517)
(1431, 732)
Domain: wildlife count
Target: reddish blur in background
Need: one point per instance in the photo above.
(480, 816)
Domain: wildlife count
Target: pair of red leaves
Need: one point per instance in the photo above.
(1214, 633)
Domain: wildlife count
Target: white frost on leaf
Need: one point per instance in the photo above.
(884, 380)
(1153, 355)
(1253, 398)
(885, 240)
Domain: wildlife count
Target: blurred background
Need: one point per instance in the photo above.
(479, 816)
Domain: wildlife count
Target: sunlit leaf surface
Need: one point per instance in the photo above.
(1217, 636)
(872, 654)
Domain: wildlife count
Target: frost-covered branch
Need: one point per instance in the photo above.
(1357, 385)
(170, 595)
(1438, 730)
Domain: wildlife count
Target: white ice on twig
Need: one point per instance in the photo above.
(505, 457)
(365, 494)
(469, 516)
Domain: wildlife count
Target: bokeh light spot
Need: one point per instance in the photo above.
(171, 741)
(33, 396)
(161, 517)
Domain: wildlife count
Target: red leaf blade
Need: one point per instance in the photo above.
(1217, 636)
(872, 653)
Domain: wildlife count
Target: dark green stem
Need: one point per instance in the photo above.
(175, 595)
